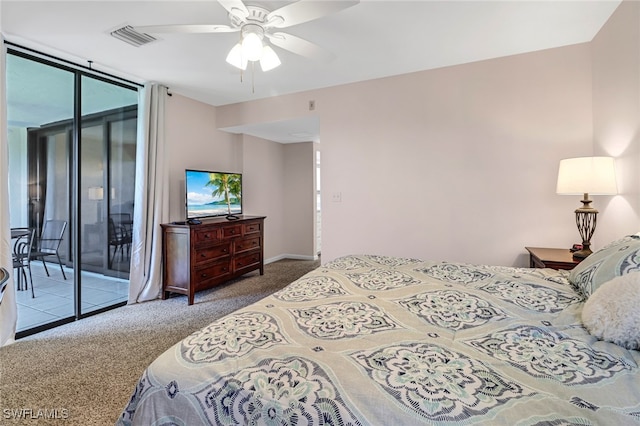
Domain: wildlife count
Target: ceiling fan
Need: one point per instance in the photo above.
(257, 24)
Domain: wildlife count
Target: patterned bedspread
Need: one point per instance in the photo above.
(373, 340)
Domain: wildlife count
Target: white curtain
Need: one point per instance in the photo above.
(151, 196)
(8, 307)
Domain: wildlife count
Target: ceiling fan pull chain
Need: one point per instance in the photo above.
(253, 75)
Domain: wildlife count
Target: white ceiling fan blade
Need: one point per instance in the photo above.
(304, 11)
(186, 29)
(235, 7)
(300, 46)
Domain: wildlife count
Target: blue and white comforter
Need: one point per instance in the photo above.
(374, 340)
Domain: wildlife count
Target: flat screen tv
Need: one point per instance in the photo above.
(211, 193)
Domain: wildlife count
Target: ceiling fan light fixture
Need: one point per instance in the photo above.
(251, 46)
(236, 58)
(269, 59)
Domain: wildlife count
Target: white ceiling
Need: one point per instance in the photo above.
(372, 39)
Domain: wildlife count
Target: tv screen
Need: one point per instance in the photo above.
(213, 193)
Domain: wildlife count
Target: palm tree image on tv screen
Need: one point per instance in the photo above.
(213, 193)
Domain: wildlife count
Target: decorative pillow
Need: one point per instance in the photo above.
(615, 259)
(611, 313)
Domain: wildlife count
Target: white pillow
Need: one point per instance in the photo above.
(612, 312)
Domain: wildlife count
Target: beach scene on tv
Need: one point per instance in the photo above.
(213, 194)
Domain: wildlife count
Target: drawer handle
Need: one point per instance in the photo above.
(203, 275)
(207, 235)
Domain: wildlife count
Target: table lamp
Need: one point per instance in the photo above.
(586, 175)
(96, 193)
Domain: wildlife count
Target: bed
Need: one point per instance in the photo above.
(372, 340)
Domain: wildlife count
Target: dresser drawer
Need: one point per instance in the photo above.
(212, 253)
(203, 275)
(246, 260)
(231, 231)
(203, 236)
(247, 244)
(253, 227)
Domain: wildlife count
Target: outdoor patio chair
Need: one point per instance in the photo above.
(22, 259)
(49, 243)
(4, 278)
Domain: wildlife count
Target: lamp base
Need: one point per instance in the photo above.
(581, 254)
(586, 218)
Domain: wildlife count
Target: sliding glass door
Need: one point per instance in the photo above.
(107, 172)
(40, 100)
(72, 144)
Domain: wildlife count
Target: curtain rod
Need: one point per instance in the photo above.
(73, 64)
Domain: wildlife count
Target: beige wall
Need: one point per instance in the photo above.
(263, 187)
(458, 163)
(193, 142)
(278, 183)
(616, 106)
(277, 179)
(299, 207)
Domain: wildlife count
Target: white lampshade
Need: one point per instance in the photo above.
(269, 59)
(587, 175)
(251, 46)
(236, 58)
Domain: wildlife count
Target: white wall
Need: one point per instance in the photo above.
(616, 94)
(458, 163)
(18, 177)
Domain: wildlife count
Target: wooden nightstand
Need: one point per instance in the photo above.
(554, 258)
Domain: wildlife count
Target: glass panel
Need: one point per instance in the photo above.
(40, 107)
(122, 175)
(94, 247)
(107, 150)
(41, 129)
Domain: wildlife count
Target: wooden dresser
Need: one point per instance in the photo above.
(197, 257)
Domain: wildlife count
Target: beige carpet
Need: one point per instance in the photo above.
(84, 372)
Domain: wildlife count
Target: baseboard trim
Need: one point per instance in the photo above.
(289, 256)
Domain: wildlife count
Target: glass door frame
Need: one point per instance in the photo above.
(74, 171)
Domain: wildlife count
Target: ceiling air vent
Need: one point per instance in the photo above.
(131, 36)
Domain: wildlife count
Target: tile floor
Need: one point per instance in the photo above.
(54, 296)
